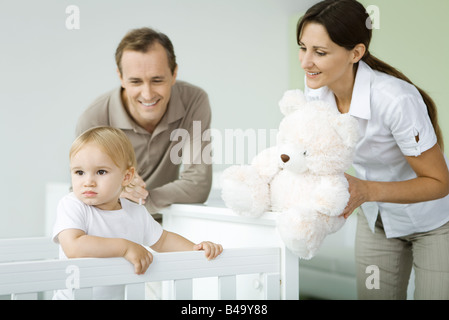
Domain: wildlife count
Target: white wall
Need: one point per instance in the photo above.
(237, 50)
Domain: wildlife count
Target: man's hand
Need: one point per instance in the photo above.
(135, 191)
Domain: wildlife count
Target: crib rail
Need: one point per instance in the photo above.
(38, 248)
(25, 278)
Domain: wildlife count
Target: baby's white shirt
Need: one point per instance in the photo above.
(133, 222)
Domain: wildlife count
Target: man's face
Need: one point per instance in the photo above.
(147, 81)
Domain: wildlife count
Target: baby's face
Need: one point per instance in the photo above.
(96, 179)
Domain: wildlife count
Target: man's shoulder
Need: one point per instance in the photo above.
(188, 89)
(103, 100)
(192, 97)
(97, 113)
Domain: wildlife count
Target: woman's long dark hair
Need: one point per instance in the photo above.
(348, 24)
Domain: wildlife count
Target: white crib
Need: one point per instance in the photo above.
(254, 264)
(28, 267)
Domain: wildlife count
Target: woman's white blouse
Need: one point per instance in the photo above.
(393, 123)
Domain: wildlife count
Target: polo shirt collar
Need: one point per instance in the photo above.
(118, 116)
(175, 111)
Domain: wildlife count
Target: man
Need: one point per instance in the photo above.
(155, 110)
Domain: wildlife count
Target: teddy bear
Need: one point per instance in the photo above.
(302, 177)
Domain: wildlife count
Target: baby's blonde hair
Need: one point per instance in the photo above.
(114, 143)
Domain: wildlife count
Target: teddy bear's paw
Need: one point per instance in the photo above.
(244, 192)
(266, 163)
(291, 101)
(299, 248)
(327, 207)
(301, 234)
(330, 198)
(335, 223)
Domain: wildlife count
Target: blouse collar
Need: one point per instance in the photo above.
(361, 94)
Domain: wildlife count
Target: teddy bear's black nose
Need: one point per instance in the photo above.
(284, 158)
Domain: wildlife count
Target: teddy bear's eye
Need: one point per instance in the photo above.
(305, 153)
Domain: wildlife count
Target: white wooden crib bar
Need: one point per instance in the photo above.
(25, 278)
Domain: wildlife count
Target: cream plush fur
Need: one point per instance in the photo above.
(302, 177)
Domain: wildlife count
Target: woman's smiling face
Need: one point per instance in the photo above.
(325, 62)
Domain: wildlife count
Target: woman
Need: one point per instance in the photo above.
(402, 174)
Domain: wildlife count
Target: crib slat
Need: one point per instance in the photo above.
(24, 296)
(183, 289)
(83, 294)
(227, 288)
(272, 286)
(135, 291)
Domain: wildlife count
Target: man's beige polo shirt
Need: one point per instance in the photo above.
(189, 111)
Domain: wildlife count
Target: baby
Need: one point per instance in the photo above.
(93, 221)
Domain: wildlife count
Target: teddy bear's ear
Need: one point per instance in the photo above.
(291, 101)
(347, 128)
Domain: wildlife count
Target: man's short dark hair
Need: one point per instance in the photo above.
(142, 40)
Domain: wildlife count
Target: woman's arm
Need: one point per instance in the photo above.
(432, 182)
(77, 244)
